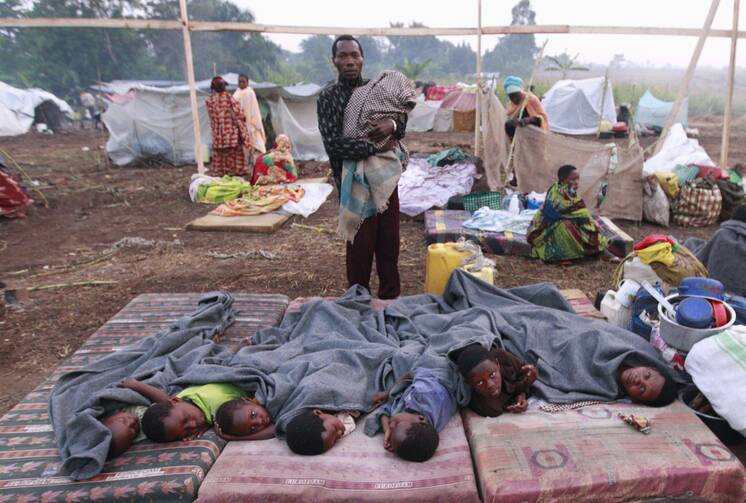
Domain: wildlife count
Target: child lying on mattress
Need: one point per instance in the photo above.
(412, 420)
(314, 431)
(499, 381)
(125, 429)
(190, 413)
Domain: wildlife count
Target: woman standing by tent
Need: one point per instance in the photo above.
(229, 133)
(524, 109)
(250, 108)
(563, 229)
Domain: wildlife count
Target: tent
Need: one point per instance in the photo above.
(653, 112)
(20, 108)
(455, 112)
(574, 106)
(147, 120)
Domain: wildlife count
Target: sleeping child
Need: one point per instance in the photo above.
(193, 410)
(125, 429)
(314, 431)
(412, 420)
(499, 381)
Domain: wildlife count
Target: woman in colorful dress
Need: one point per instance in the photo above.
(229, 133)
(524, 109)
(563, 229)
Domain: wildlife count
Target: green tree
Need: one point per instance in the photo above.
(462, 60)
(514, 53)
(565, 64)
(314, 62)
(413, 69)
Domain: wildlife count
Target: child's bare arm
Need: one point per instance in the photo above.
(150, 392)
(520, 404)
(386, 432)
(268, 432)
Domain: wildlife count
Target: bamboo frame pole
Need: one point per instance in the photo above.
(731, 80)
(192, 85)
(684, 87)
(477, 114)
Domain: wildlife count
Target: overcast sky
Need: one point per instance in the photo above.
(659, 51)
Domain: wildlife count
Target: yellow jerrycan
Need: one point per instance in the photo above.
(442, 259)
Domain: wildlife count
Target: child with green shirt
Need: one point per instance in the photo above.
(192, 411)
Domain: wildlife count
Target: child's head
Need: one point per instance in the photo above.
(313, 432)
(242, 417)
(481, 371)
(124, 429)
(173, 420)
(412, 437)
(648, 386)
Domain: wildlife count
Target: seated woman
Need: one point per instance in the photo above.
(277, 165)
(723, 253)
(563, 229)
(524, 109)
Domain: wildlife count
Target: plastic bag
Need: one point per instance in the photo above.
(655, 205)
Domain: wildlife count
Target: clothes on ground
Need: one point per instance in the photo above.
(378, 236)
(485, 219)
(260, 199)
(426, 395)
(330, 109)
(250, 108)
(367, 185)
(197, 180)
(388, 95)
(277, 165)
(723, 255)
(209, 397)
(314, 195)
(81, 398)
(717, 365)
(424, 185)
(513, 384)
(13, 200)
(214, 190)
(229, 135)
(564, 229)
(446, 157)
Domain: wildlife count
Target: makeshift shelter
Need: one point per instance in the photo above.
(574, 106)
(653, 112)
(21, 108)
(150, 121)
(455, 112)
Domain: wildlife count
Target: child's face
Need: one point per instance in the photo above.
(184, 421)
(485, 378)
(333, 429)
(124, 428)
(249, 418)
(642, 384)
(399, 425)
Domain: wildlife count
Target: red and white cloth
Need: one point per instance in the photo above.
(13, 200)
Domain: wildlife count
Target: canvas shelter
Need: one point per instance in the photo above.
(21, 108)
(146, 120)
(455, 112)
(653, 112)
(574, 106)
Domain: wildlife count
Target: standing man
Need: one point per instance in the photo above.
(246, 97)
(378, 235)
(89, 103)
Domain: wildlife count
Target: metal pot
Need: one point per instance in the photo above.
(681, 337)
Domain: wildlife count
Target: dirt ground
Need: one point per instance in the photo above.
(92, 206)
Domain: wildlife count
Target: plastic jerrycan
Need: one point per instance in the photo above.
(442, 259)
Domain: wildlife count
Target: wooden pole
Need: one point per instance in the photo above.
(731, 80)
(684, 87)
(477, 118)
(192, 85)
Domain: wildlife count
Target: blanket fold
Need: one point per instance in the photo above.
(723, 255)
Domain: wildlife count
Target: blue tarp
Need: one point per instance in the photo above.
(654, 112)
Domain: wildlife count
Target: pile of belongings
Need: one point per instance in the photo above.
(432, 181)
(682, 183)
(13, 200)
(260, 199)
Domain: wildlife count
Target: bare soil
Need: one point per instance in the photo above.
(93, 205)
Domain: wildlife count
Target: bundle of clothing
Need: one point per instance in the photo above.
(259, 200)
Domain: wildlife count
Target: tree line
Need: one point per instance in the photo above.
(66, 60)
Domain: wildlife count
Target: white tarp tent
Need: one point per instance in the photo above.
(677, 149)
(145, 120)
(574, 106)
(17, 108)
(422, 117)
(654, 112)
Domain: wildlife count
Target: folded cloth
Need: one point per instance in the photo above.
(445, 157)
(222, 189)
(314, 195)
(366, 188)
(717, 365)
(485, 219)
(262, 200)
(659, 252)
(651, 239)
(198, 180)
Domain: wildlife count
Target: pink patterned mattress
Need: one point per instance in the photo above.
(356, 469)
(590, 454)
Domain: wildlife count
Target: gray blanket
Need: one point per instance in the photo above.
(331, 355)
(724, 255)
(80, 399)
